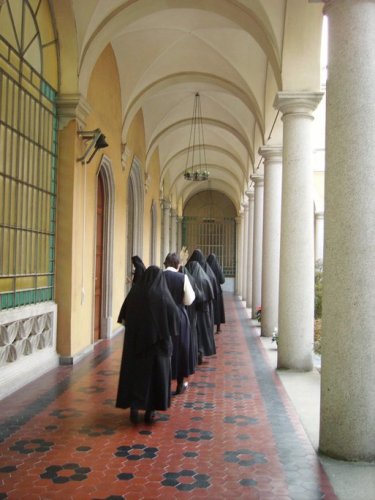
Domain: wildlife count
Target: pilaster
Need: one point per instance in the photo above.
(166, 205)
(173, 230)
(72, 107)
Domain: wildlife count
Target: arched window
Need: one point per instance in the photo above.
(135, 209)
(28, 148)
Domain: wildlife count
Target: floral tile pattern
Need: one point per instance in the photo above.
(232, 434)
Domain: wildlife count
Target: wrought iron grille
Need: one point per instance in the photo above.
(28, 159)
(212, 235)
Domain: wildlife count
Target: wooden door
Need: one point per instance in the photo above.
(99, 259)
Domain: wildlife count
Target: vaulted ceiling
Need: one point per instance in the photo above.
(236, 53)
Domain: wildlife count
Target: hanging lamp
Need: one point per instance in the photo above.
(196, 163)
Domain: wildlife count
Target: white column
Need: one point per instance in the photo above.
(179, 234)
(250, 246)
(257, 243)
(245, 206)
(173, 231)
(166, 231)
(239, 229)
(348, 348)
(319, 235)
(271, 238)
(296, 289)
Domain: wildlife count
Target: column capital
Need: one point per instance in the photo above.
(303, 103)
(165, 204)
(245, 205)
(274, 153)
(258, 180)
(250, 194)
(319, 215)
(72, 107)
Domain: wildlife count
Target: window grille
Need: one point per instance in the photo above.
(212, 235)
(28, 149)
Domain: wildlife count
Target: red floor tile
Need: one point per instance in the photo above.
(233, 434)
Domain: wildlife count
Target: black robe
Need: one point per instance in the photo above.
(139, 268)
(198, 256)
(204, 309)
(192, 314)
(219, 312)
(181, 363)
(151, 319)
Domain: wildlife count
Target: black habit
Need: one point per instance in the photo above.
(203, 307)
(219, 313)
(151, 319)
(139, 268)
(192, 314)
(181, 366)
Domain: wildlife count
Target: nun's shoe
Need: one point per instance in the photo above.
(200, 358)
(181, 387)
(134, 415)
(150, 416)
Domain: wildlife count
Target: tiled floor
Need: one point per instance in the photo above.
(233, 434)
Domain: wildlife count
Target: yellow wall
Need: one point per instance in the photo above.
(76, 246)
(66, 173)
(104, 96)
(135, 141)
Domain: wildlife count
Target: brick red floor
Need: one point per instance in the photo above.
(233, 434)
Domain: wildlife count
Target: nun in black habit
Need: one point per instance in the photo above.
(219, 313)
(203, 307)
(139, 268)
(192, 314)
(183, 295)
(151, 318)
(198, 256)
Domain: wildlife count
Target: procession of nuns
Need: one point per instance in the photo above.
(169, 318)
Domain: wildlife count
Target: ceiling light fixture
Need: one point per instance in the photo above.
(196, 163)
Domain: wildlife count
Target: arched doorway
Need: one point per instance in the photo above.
(209, 224)
(104, 252)
(99, 258)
